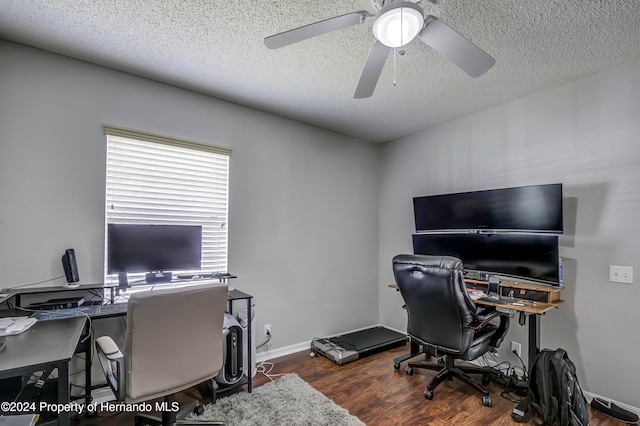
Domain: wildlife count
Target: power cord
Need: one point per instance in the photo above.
(498, 369)
(502, 367)
(514, 385)
(524, 369)
(265, 367)
(53, 312)
(517, 386)
(266, 343)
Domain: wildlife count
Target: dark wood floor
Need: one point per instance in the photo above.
(372, 390)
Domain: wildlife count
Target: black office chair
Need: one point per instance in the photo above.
(443, 318)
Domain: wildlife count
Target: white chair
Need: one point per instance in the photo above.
(173, 342)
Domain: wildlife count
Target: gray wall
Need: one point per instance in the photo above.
(303, 201)
(315, 217)
(584, 134)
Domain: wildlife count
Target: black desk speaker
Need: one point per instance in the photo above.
(70, 267)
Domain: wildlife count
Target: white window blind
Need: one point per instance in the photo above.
(153, 179)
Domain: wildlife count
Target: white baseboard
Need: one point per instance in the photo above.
(277, 353)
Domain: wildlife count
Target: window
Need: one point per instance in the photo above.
(159, 180)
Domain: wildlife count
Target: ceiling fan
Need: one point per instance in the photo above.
(396, 24)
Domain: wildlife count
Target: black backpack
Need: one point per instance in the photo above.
(555, 396)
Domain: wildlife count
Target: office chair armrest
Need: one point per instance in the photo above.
(501, 332)
(107, 346)
(112, 363)
(484, 317)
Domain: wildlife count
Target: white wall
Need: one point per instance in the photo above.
(584, 134)
(303, 201)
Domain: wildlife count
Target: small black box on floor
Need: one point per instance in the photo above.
(351, 346)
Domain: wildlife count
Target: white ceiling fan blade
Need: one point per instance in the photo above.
(372, 70)
(312, 30)
(450, 44)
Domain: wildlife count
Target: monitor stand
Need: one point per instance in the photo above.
(158, 277)
(123, 281)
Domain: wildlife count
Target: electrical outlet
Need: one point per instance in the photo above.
(515, 346)
(267, 330)
(621, 274)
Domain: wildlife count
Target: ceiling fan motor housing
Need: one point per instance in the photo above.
(398, 23)
(379, 4)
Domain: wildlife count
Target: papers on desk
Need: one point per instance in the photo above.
(475, 294)
(19, 420)
(15, 325)
(6, 322)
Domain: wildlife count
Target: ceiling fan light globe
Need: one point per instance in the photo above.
(398, 25)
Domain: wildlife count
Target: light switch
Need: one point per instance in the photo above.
(621, 274)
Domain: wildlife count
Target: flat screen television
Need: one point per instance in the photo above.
(536, 208)
(522, 256)
(147, 248)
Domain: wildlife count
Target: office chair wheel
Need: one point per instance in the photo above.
(396, 365)
(486, 400)
(198, 410)
(408, 371)
(428, 394)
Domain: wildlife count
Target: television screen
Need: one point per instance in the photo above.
(147, 248)
(526, 256)
(536, 208)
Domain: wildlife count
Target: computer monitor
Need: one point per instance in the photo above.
(526, 209)
(150, 248)
(531, 257)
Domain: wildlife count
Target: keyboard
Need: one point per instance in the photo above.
(112, 309)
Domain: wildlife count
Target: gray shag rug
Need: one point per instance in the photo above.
(288, 400)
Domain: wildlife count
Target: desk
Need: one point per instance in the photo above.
(25, 353)
(529, 309)
(96, 313)
(526, 309)
(88, 310)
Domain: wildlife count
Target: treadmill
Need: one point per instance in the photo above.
(358, 344)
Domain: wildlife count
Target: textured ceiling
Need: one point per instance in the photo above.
(216, 47)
